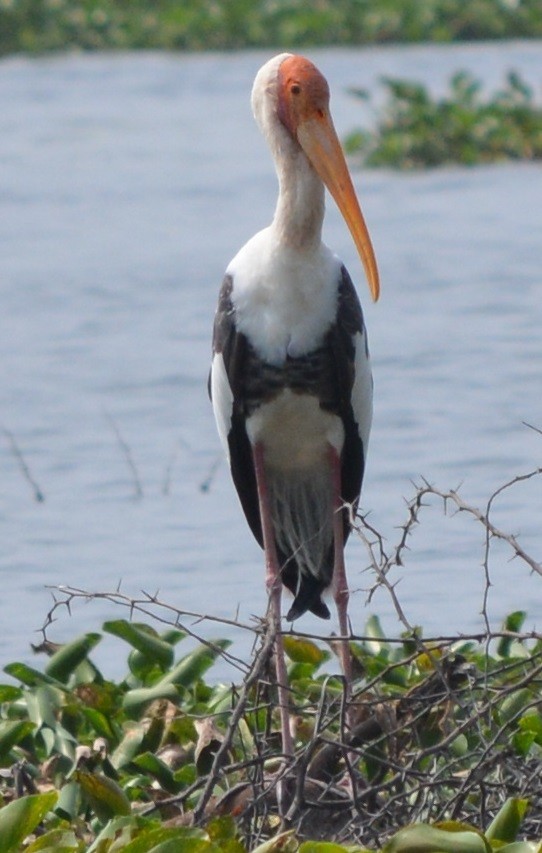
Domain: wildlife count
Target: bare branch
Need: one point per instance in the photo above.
(25, 470)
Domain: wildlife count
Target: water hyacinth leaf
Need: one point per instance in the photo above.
(55, 841)
(522, 742)
(221, 701)
(322, 847)
(29, 676)
(521, 847)
(459, 747)
(373, 631)
(514, 704)
(300, 650)
(139, 696)
(173, 636)
(513, 623)
(69, 801)
(106, 798)
(152, 765)
(129, 746)
(43, 705)
(12, 733)
(222, 830)
(284, 842)
(195, 664)
(183, 838)
(301, 672)
(247, 739)
(144, 639)
(118, 833)
(20, 817)
(145, 670)
(532, 722)
(99, 722)
(422, 838)
(506, 823)
(63, 663)
(9, 693)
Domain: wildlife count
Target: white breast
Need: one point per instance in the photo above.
(285, 299)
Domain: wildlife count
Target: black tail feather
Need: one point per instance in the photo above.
(308, 597)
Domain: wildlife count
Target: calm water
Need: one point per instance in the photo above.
(127, 183)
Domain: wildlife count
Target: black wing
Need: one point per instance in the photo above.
(342, 347)
(235, 350)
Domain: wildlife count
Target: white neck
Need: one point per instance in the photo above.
(300, 207)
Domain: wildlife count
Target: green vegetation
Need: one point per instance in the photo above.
(447, 742)
(42, 25)
(416, 131)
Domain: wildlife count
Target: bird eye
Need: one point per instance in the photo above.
(295, 88)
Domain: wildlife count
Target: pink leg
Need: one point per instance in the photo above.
(274, 590)
(340, 583)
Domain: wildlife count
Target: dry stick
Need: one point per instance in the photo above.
(138, 489)
(260, 661)
(168, 473)
(511, 540)
(16, 450)
(134, 605)
(206, 484)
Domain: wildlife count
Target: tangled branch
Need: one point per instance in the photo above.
(443, 727)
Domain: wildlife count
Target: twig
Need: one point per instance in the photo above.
(260, 661)
(138, 489)
(206, 483)
(17, 452)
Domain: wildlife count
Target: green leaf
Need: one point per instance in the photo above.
(143, 638)
(531, 723)
(285, 842)
(183, 674)
(505, 825)
(13, 733)
(107, 799)
(513, 623)
(321, 847)
(134, 699)
(514, 703)
(62, 664)
(180, 839)
(195, 665)
(222, 829)
(373, 630)
(129, 746)
(300, 650)
(30, 676)
(9, 693)
(118, 832)
(43, 705)
(69, 801)
(422, 838)
(19, 818)
(60, 840)
(152, 765)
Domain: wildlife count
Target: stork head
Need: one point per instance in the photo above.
(290, 95)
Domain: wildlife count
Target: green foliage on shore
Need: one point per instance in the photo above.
(445, 753)
(415, 130)
(43, 25)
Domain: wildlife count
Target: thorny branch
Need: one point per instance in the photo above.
(442, 749)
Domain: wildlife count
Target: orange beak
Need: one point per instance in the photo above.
(318, 139)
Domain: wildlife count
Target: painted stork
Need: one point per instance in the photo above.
(290, 380)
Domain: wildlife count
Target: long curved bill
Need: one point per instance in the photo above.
(318, 139)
